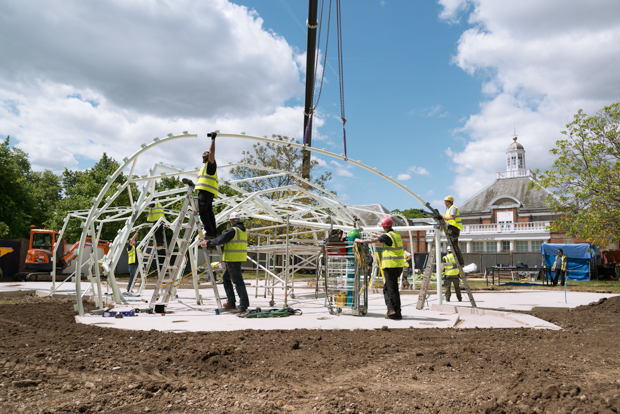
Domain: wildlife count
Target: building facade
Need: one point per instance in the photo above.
(507, 215)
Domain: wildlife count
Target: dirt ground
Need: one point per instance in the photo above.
(48, 363)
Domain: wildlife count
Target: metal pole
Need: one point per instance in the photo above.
(286, 265)
(310, 58)
(438, 264)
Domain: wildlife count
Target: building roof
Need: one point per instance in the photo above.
(506, 192)
(371, 214)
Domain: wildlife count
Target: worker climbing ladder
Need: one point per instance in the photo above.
(431, 261)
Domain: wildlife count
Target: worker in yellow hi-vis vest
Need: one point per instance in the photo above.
(208, 187)
(451, 273)
(392, 263)
(155, 212)
(453, 220)
(559, 265)
(235, 241)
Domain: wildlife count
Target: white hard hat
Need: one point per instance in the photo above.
(235, 216)
(449, 249)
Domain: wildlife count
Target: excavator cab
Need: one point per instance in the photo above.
(40, 254)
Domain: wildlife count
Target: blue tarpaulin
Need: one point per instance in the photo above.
(578, 256)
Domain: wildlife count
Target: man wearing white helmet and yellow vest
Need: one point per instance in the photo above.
(235, 241)
(453, 220)
(452, 275)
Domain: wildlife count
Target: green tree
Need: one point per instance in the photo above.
(29, 198)
(79, 189)
(410, 213)
(278, 157)
(585, 179)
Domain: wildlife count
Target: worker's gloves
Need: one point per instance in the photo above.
(212, 135)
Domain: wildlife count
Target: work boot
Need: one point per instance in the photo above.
(460, 299)
(229, 306)
(240, 309)
(447, 299)
(188, 182)
(391, 312)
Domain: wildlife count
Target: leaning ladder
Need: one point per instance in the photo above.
(429, 270)
(209, 255)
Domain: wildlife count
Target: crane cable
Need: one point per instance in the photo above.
(340, 72)
(341, 75)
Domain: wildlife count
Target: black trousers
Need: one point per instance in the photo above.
(205, 209)
(453, 280)
(390, 288)
(159, 235)
(556, 276)
(453, 235)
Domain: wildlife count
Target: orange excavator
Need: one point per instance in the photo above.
(40, 254)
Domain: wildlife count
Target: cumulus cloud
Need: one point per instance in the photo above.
(540, 64)
(412, 170)
(403, 177)
(80, 78)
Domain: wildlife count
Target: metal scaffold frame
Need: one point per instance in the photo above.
(303, 208)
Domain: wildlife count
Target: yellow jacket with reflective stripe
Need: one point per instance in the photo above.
(563, 265)
(236, 250)
(207, 182)
(394, 255)
(451, 269)
(457, 219)
(131, 253)
(156, 212)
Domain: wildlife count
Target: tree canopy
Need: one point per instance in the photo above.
(273, 156)
(410, 213)
(28, 197)
(585, 179)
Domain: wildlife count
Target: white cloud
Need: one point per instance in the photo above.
(403, 177)
(436, 111)
(80, 78)
(540, 63)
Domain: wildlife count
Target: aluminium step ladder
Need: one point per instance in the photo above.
(431, 262)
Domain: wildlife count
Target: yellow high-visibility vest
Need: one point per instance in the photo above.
(156, 212)
(393, 256)
(236, 250)
(457, 219)
(207, 182)
(562, 265)
(131, 254)
(451, 269)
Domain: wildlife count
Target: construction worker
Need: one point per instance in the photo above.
(451, 273)
(235, 241)
(207, 186)
(559, 265)
(131, 261)
(156, 211)
(453, 220)
(392, 263)
(404, 284)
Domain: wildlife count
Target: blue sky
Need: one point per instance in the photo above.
(433, 90)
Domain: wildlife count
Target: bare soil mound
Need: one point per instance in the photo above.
(48, 363)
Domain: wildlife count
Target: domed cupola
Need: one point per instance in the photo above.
(515, 161)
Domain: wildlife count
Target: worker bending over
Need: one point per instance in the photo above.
(235, 241)
(392, 263)
(452, 275)
(453, 220)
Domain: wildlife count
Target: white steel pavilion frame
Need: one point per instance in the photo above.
(290, 208)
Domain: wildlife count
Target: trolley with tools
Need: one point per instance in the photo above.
(343, 270)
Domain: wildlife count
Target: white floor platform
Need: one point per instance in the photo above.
(183, 315)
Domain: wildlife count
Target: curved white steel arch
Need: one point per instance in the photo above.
(249, 204)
